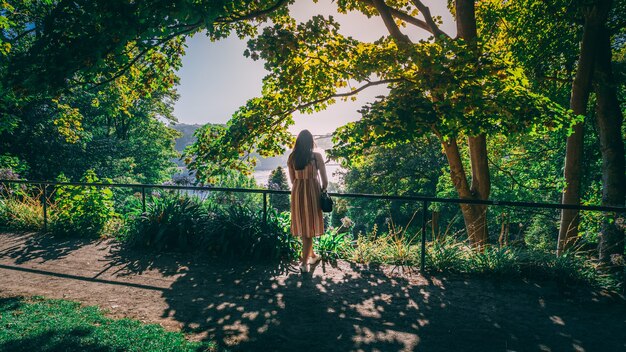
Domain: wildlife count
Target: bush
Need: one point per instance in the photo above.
(82, 211)
(175, 222)
(171, 222)
(238, 231)
(332, 245)
(389, 248)
(23, 214)
(541, 234)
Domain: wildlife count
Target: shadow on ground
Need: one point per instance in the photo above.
(28, 246)
(344, 307)
(349, 307)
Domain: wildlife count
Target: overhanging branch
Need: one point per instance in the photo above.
(434, 29)
(343, 95)
(252, 15)
(393, 29)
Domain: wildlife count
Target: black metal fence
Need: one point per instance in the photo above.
(424, 200)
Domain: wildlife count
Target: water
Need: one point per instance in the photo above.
(261, 176)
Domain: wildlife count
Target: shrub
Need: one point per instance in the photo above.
(23, 214)
(541, 234)
(332, 245)
(446, 255)
(82, 211)
(238, 231)
(394, 248)
(171, 222)
(175, 222)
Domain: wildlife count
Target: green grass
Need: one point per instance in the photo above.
(39, 324)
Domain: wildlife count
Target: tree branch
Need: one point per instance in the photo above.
(343, 95)
(434, 29)
(253, 14)
(402, 16)
(393, 29)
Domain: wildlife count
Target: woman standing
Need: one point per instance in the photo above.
(306, 214)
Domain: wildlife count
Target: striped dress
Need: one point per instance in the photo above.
(306, 214)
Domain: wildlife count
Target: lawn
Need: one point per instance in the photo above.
(39, 324)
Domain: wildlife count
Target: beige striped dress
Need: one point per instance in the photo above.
(306, 214)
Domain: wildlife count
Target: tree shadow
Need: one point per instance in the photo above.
(25, 247)
(363, 308)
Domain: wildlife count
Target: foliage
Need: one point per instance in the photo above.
(278, 181)
(331, 244)
(542, 233)
(21, 213)
(239, 232)
(58, 325)
(82, 211)
(171, 222)
(411, 168)
(115, 127)
(387, 248)
(175, 222)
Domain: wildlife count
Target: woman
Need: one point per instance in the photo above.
(306, 214)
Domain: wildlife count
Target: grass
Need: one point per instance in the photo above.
(39, 324)
(21, 215)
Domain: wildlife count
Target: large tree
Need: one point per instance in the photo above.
(462, 89)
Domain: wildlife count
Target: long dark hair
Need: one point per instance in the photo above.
(303, 151)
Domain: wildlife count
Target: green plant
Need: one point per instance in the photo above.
(446, 255)
(239, 231)
(332, 244)
(493, 260)
(171, 222)
(23, 213)
(82, 210)
(541, 234)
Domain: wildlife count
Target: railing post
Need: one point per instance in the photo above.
(423, 256)
(143, 199)
(45, 208)
(265, 207)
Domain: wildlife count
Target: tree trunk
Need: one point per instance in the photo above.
(475, 216)
(581, 87)
(609, 121)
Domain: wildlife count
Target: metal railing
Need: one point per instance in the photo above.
(425, 200)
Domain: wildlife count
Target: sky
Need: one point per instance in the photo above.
(216, 79)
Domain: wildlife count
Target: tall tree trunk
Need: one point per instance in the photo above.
(581, 87)
(609, 121)
(475, 216)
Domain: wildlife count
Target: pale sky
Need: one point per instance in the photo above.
(216, 79)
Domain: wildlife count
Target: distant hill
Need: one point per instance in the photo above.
(322, 142)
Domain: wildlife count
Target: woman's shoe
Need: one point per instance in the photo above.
(303, 268)
(315, 260)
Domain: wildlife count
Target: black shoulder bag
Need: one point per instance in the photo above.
(326, 203)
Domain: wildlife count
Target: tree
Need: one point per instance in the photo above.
(463, 88)
(116, 128)
(278, 181)
(570, 46)
(609, 119)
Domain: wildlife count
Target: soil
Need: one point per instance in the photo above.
(247, 306)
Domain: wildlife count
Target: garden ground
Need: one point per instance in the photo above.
(342, 307)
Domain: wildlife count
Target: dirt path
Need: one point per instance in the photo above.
(348, 307)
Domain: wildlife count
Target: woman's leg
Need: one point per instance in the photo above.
(311, 252)
(307, 247)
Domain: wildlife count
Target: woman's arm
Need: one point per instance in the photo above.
(322, 169)
(292, 172)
